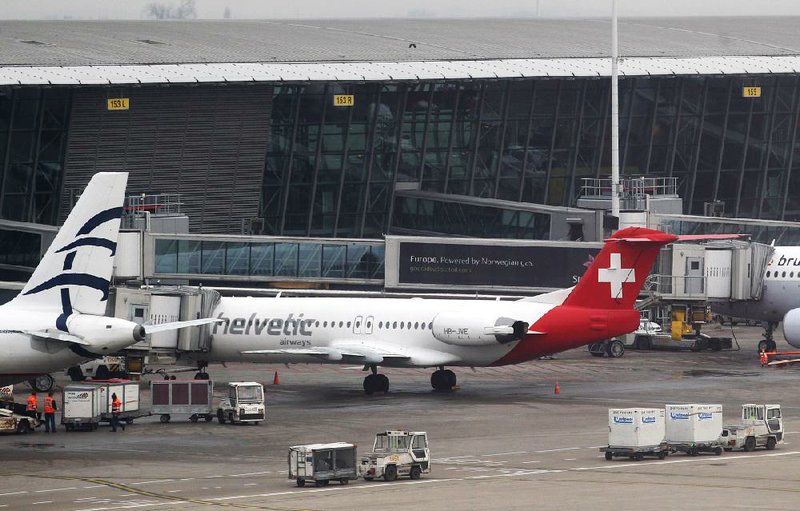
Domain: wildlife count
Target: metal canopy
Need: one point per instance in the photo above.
(393, 71)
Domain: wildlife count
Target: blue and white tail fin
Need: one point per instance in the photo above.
(75, 273)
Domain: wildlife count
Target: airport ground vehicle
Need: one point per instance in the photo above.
(397, 453)
(245, 403)
(184, 397)
(635, 433)
(81, 407)
(761, 426)
(694, 428)
(323, 463)
(13, 421)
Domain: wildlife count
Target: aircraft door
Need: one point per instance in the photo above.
(694, 276)
(368, 326)
(358, 326)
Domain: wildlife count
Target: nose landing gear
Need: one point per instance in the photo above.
(767, 343)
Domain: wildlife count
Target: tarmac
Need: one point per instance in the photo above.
(503, 440)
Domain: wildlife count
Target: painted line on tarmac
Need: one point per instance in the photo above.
(14, 493)
(504, 453)
(561, 449)
(335, 488)
(691, 460)
(56, 489)
(250, 474)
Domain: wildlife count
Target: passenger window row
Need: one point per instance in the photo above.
(783, 274)
(408, 325)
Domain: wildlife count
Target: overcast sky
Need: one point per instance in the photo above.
(273, 9)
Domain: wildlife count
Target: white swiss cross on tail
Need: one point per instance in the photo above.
(616, 275)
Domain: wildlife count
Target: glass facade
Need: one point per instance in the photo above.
(333, 171)
(33, 134)
(273, 260)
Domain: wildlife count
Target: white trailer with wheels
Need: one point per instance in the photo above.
(694, 428)
(245, 403)
(635, 433)
(81, 407)
(397, 453)
(761, 426)
(323, 463)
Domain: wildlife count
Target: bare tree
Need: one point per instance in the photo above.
(184, 10)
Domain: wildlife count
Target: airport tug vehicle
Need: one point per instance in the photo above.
(245, 403)
(397, 453)
(13, 421)
(761, 426)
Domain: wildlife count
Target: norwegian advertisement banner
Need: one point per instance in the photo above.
(479, 266)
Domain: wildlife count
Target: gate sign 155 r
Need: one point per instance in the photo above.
(119, 104)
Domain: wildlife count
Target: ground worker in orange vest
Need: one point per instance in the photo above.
(50, 413)
(116, 406)
(33, 405)
(764, 358)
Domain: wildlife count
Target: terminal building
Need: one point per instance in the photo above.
(350, 130)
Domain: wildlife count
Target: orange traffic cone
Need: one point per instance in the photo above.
(276, 380)
(557, 390)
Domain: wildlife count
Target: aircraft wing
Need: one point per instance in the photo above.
(366, 353)
(55, 335)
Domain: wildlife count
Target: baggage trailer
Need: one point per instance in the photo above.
(323, 463)
(694, 428)
(182, 397)
(80, 407)
(635, 433)
(128, 393)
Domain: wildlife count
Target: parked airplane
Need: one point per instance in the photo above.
(780, 299)
(418, 332)
(57, 319)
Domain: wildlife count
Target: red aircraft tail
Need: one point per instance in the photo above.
(618, 273)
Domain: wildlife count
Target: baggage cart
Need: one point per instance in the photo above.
(128, 393)
(80, 407)
(192, 398)
(635, 433)
(323, 463)
(694, 428)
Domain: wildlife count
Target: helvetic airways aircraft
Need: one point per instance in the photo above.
(780, 299)
(57, 320)
(418, 332)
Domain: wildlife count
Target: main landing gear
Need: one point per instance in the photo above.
(376, 382)
(767, 344)
(443, 379)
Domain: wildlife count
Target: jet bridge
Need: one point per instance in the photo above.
(711, 271)
(692, 277)
(156, 305)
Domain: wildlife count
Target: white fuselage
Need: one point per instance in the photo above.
(781, 291)
(24, 355)
(349, 324)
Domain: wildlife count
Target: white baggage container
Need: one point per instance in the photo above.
(635, 427)
(80, 406)
(127, 391)
(694, 423)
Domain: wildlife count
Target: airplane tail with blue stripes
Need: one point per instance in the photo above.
(75, 273)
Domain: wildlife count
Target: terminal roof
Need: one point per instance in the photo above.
(225, 51)
(98, 43)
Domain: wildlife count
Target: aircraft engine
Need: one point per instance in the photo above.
(461, 329)
(791, 327)
(105, 335)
